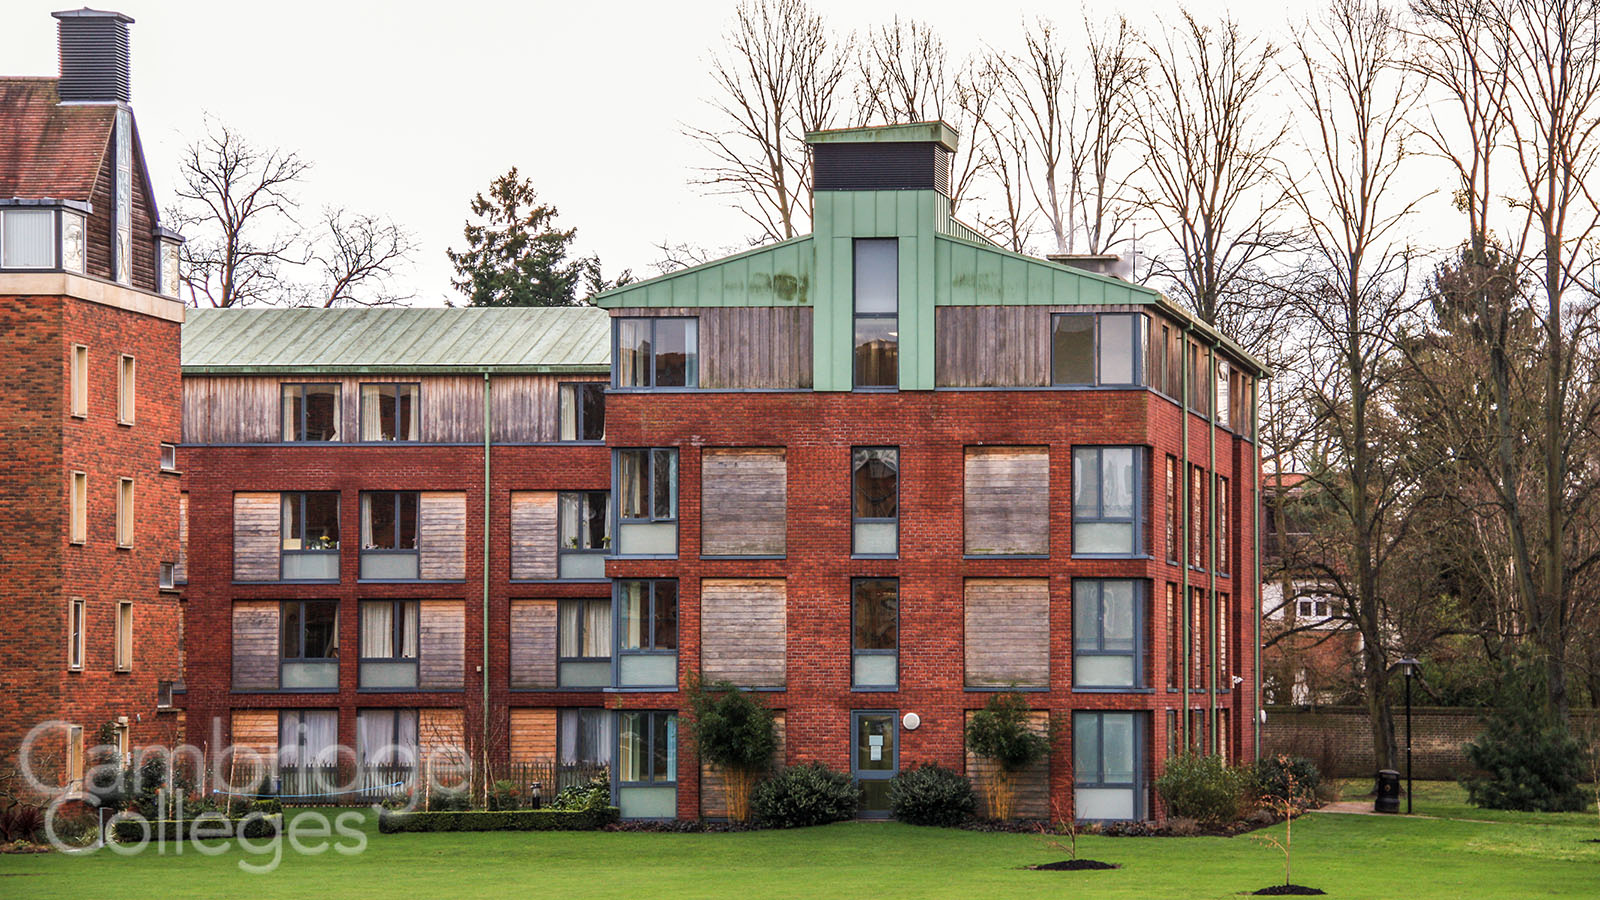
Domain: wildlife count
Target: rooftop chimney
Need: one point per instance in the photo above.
(1109, 264)
(914, 156)
(94, 55)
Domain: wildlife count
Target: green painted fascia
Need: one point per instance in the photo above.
(935, 132)
(779, 274)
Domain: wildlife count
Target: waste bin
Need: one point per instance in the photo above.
(1388, 792)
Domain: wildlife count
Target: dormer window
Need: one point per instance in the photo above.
(41, 236)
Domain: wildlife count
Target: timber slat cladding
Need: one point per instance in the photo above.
(452, 408)
(743, 631)
(744, 501)
(180, 568)
(1007, 624)
(533, 735)
(255, 645)
(232, 410)
(1007, 501)
(442, 535)
(441, 736)
(533, 535)
(1030, 787)
(526, 408)
(714, 787)
(257, 730)
(443, 628)
(533, 644)
(257, 523)
(999, 346)
(755, 347)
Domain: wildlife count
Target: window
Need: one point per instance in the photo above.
(583, 411)
(125, 389)
(1174, 514)
(1174, 637)
(875, 501)
(1107, 633)
(647, 633)
(1222, 524)
(28, 239)
(389, 412)
(1316, 608)
(875, 633)
(124, 636)
(1223, 672)
(1224, 401)
(657, 353)
(1107, 513)
(389, 634)
(74, 757)
(1197, 637)
(125, 512)
(583, 533)
(877, 312)
(75, 634)
(163, 695)
(647, 502)
(310, 542)
(309, 631)
(80, 381)
(647, 748)
(1199, 385)
(79, 508)
(1197, 517)
(583, 643)
(306, 738)
(73, 247)
(165, 579)
(1107, 766)
(311, 412)
(1088, 349)
(584, 736)
(386, 739)
(389, 529)
(169, 458)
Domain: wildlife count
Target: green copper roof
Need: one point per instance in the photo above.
(525, 339)
(909, 133)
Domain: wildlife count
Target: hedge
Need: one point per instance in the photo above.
(498, 820)
(255, 826)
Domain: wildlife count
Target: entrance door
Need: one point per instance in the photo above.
(876, 758)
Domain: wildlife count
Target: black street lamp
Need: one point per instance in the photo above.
(1408, 667)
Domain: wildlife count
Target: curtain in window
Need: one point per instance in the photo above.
(288, 739)
(406, 736)
(30, 237)
(321, 736)
(374, 736)
(1116, 468)
(568, 628)
(568, 411)
(631, 747)
(633, 352)
(597, 628)
(377, 629)
(371, 412)
(366, 522)
(631, 475)
(586, 736)
(409, 425)
(409, 629)
(291, 412)
(569, 517)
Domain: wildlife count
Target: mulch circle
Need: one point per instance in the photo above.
(1592, 841)
(1279, 890)
(1074, 865)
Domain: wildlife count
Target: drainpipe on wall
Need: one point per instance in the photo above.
(488, 432)
(1215, 635)
(1183, 552)
(1255, 586)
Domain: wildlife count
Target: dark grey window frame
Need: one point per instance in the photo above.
(650, 488)
(561, 539)
(1141, 480)
(856, 316)
(416, 410)
(578, 417)
(855, 652)
(1141, 608)
(394, 731)
(649, 752)
(1141, 763)
(858, 520)
(567, 601)
(1140, 338)
(300, 422)
(396, 639)
(338, 531)
(284, 659)
(617, 633)
(856, 773)
(580, 711)
(394, 551)
(691, 377)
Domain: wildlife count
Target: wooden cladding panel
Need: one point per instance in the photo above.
(714, 787)
(180, 568)
(743, 631)
(755, 347)
(744, 501)
(442, 535)
(999, 346)
(1007, 501)
(533, 644)
(533, 535)
(1007, 630)
(452, 408)
(443, 631)
(257, 543)
(231, 410)
(257, 730)
(441, 736)
(1030, 787)
(525, 407)
(255, 646)
(533, 735)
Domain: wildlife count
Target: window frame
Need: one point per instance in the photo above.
(1141, 463)
(127, 388)
(365, 512)
(579, 713)
(77, 634)
(122, 644)
(1141, 764)
(78, 378)
(164, 694)
(283, 536)
(575, 389)
(397, 627)
(125, 513)
(617, 608)
(361, 423)
(169, 459)
(78, 508)
(1219, 499)
(300, 421)
(561, 539)
(855, 584)
(855, 520)
(55, 238)
(300, 641)
(1175, 508)
(166, 579)
(394, 744)
(1137, 654)
(650, 486)
(856, 315)
(1139, 341)
(692, 373)
(647, 718)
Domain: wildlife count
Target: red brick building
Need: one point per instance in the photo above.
(89, 330)
(878, 473)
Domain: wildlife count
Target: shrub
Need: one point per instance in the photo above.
(1527, 761)
(21, 822)
(1002, 734)
(503, 795)
(1204, 788)
(732, 730)
(254, 826)
(497, 820)
(596, 794)
(1273, 776)
(268, 806)
(931, 795)
(809, 794)
(451, 800)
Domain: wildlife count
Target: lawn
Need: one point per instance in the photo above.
(1350, 856)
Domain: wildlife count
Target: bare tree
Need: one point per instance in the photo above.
(237, 208)
(357, 257)
(781, 74)
(1006, 144)
(1100, 129)
(1212, 155)
(1036, 92)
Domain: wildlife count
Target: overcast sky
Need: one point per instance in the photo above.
(407, 109)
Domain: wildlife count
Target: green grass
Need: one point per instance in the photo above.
(1350, 856)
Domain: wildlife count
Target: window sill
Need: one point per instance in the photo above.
(637, 689)
(166, 710)
(705, 558)
(171, 471)
(891, 556)
(385, 581)
(643, 556)
(1005, 556)
(562, 580)
(886, 689)
(1000, 689)
(1112, 690)
(169, 589)
(330, 691)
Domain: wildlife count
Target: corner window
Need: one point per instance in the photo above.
(647, 633)
(647, 748)
(877, 312)
(80, 381)
(647, 502)
(125, 389)
(75, 633)
(582, 411)
(389, 412)
(1107, 633)
(875, 501)
(309, 642)
(389, 638)
(875, 634)
(583, 643)
(1108, 766)
(657, 352)
(28, 239)
(1097, 350)
(1107, 494)
(125, 512)
(310, 412)
(310, 540)
(583, 533)
(124, 636)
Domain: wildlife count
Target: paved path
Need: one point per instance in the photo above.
(1364, 808)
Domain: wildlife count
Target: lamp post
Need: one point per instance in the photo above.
(1408, 667)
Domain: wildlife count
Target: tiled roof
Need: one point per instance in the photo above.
(46, 149)
(526, 339)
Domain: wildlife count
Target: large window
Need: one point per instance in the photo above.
(657, 353)
(647, 633)
(647, 748)
(1107, 633)
(877, 313)
(389, 528)
(389, 638)
(386, 739)
(1104, 350)
(583, 533)
(585, 736)
(389, 412)
(1107, 762)
(647, 502)
(1107, 501)
(583, 411)
(309, 631)
(875, 501)
(875, 634)
(306, 738)
(311, 412)
(28, 239)
(583, 643)
(310, 536)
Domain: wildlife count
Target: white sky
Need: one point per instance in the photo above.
(407, 109)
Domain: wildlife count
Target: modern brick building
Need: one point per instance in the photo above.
(89, 331)
(878, 473)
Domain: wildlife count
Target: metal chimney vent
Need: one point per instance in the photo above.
(94, 56)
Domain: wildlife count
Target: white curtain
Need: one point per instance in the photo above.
(409, 628)
(567, 630)
(372, 412)
(597, 628)
(586, 736)
(374, 736)
(291, 411)
(568, 407)
(30, 238)
(377, 629)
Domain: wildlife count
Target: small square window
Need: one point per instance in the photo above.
(165, 579)
(169, 458)
(163, 695)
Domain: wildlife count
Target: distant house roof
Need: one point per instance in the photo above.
(46, 149)
(332, 341)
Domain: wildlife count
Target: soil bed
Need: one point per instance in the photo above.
(1283, 890)
(1074, 865)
